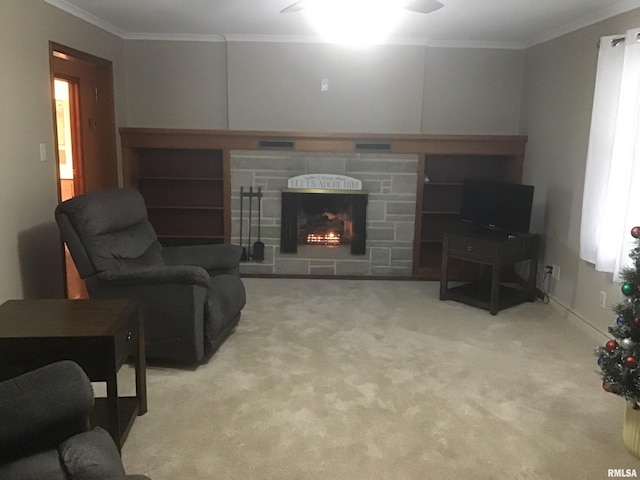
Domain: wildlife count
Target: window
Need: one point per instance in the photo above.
(611, 198)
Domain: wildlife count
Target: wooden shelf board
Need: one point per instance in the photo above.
(443, 184)
(181, 179)
(204, 237)
(181, 207)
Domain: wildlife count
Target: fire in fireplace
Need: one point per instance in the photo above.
(324, 220)
(330, 238)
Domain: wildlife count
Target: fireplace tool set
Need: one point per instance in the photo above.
(249, 253)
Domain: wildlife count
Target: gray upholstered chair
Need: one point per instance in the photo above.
(44, 428)
(191, 295)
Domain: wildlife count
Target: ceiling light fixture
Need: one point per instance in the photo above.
(358, 22)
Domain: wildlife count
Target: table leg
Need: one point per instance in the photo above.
(141, 367)
(533, 273)
(113, 406)
(444, 270)
(495, 289)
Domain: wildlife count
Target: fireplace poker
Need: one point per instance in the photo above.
(258, 247)
(243, 256)
(250, 194)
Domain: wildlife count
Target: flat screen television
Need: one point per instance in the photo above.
(500, 206)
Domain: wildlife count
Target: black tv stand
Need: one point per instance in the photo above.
(496, 250)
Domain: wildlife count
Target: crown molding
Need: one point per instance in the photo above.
(175, 37)
(87, 17)
(397, 41)
(620, 7)
(476, 44)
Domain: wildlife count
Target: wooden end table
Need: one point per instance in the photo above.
(494, 250)
(99, 335)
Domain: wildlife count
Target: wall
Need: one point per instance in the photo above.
(276, 86)
(179, 84)
(557, 100)
(30, 250)
(473, 91)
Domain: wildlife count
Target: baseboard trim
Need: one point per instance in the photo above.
(332, 277)
(578, 321)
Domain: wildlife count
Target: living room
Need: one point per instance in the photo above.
(543, 90)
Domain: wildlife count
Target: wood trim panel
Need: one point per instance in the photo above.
(324, 142)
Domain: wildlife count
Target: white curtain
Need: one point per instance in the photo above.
(611, 199)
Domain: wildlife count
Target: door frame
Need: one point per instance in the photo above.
(105, 162)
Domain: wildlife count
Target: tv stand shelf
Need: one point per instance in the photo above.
(495, 251)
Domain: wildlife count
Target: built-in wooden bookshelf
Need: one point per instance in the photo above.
(185, 189)
(184, 176)
(439, 193)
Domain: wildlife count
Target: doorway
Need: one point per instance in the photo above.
(84, 123)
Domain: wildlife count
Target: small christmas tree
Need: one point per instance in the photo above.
(619, 359)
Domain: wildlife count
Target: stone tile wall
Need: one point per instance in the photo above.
(390, 181)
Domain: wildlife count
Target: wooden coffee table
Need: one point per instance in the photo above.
(99, 335)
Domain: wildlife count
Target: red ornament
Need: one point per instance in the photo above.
(636, 321)
(611, 345)
(606, 387)
(630, 362)
(635, 232)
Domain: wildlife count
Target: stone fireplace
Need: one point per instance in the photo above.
(374, 219)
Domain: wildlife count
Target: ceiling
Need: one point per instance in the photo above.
(481, 23)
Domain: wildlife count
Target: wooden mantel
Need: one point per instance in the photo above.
(227, 140)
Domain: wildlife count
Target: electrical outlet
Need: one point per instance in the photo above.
(603, 299)
(555, 272)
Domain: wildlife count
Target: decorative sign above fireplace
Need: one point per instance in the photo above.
(324, 181)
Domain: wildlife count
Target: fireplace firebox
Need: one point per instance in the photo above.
(327, 218)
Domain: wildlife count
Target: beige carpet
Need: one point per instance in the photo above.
(380, 380)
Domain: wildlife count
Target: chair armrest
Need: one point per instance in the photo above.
(185, 274)
(209, 257)
(41, 408)
(92, 455)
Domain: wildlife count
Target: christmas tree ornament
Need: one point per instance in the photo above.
(630, 362)
(600, 360)
(611, 345)
(606, 387)
(635, 232)
(627, 343)
(628, 289)
(636, 321)
(621, 320)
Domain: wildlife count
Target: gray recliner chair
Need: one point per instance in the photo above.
(191, 296)
(44, 429)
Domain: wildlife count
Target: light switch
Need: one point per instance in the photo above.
(43, 152)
